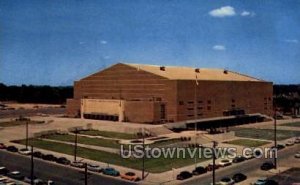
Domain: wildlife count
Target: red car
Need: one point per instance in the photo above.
(210, 167)
(2, 146)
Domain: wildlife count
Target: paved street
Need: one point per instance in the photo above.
(59, 174)
(244, 167)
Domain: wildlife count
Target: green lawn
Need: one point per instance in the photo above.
(266, 134)
(151, 165)
(17, 123)
(247, 142)
(85, 140)
(292, 124)
(116, 135)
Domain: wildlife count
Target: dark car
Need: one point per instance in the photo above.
(239, 177)
(267, 166)
(15, 175)
(49, 157)
(37, 154)
(184, 175)
(271, 182)
(238, 159)
(12, 149)
(199, 170)
(63, 160)
(3, 170)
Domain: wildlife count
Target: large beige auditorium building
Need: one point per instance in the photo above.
(158, 94)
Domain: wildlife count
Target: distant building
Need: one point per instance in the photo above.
(156, 94)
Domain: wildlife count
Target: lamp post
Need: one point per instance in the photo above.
(26, 135)
(275, 138)
(214, 162)
(75, 145)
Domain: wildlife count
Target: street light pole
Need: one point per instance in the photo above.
(75, 146)
(214, 162)
(85, 174)
(143, 172)
(27, 135)
(275, 138)
(32, 167)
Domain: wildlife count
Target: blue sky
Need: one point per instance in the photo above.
(55, 42)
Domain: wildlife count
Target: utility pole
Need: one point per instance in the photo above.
(195, 116)
(32, 167)
(275, 138)
(143, 172)
(214, 162)
(27, 135)
(75, 145)
(85, 174)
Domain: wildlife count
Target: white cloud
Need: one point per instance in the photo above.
(247, 13)
(293, 41)
(103, 42)
(219, 47)
(225, 11)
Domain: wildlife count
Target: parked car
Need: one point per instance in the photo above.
(37, 154)
(63, 160)
(130, 176)
(2, 146)
(3, 170)
(77, 164)
(94, 168)
(271, 182)
(110, 171)
(297, 155)
(210, 167)
(28, 179)
(239, 177)
(24, 151)
(249, 155)
(261, 181)
(49, 157)
(226, 181)
(199, 170)
(267, 166)
(238, 159)
(184, 175)
(12, 149)
(290, 143)
(15, 175)
(225, 162)
(3, 179)
(297, 140)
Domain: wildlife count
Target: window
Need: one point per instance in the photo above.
(190, 115)
(181, 103)
(233, 106)
(208, 108)
(233, 100)
(208, 102)
(200, 101)
(190, 102)
(200, 114)
(200, 108)
(190, 108)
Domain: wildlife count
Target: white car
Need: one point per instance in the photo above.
(225, 162)
(297, 155)
(24, 151)
(226, 181)
(290, 143)
(3, 179)
(94, 168)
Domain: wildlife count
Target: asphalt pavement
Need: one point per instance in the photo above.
(60, 174)
(243, 167)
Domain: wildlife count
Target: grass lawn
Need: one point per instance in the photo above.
(267, 134)
(154, 165)
(85, 140)
(116, 135)
(17, 123)
(247, 142)
(292, 124)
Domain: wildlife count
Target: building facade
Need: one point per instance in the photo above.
(156, 94)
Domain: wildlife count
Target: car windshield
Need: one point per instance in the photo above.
(130, 174)
(226, 179)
